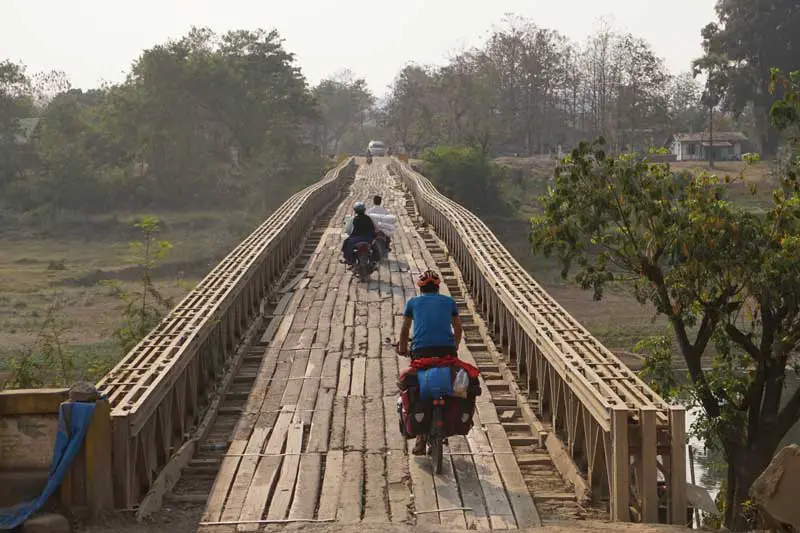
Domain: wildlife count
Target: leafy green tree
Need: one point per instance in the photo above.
(724, 277)
(739, 51)
(464, 174)
(15, 104)
(344, 103)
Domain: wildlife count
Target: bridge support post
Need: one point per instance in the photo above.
(648, 461)
(677, 468)
(88, 484)
(620, 466)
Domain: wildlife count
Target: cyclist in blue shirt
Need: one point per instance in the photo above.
(437, 328)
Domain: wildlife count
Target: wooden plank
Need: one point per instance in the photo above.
(331, 485)
(282, 498)
(245, 473)
(677, 462)
(354, 425)
(348, 344)
(518, 494)
(321, 421)
(619, 465)
(373, 386)
(255, 399)
(648, 479)
(497, 504)
(375, 488)
(344, 378)
(374, 341)
(398, 488)
(423, 489)
(468, 484)
(359, 374)
(394, 440)
(351, 487)
(294, 385)
(338, 424)
(308, 394)
(222, 484)
(266, 473)
(308, 487)
(336, 339)
(447, 495)
(330, 370)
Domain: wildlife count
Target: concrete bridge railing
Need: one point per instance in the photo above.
(627, 442)
(157, 391)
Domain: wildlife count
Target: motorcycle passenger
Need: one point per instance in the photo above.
(363, 229)
(437, 328)
(378, 209)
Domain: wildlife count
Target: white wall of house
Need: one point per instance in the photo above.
(695, 151)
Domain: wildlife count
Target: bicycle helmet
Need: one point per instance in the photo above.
(359, 208)
(427, 278)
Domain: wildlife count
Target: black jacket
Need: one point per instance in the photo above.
(362, 226)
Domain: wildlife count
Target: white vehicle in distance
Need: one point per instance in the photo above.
(377, 148)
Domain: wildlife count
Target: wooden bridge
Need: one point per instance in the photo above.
(268, 394)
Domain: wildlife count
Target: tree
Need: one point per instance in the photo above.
(723, 276)
(15, 104)
(749, 39)
(529, 90)
(199, 120)
(144, 308)
(344, 104)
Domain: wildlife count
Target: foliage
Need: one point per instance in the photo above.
(144, 308)
(530, 89)
(344, 103)
(47, 361)
(198, 121)
(739, 51)
(722, 276)
(465, 175)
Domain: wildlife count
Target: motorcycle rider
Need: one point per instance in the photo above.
(437, 328)
(378, 209)
(361, 229)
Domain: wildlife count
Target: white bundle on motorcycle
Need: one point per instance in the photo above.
(384, 223)
(348, 226)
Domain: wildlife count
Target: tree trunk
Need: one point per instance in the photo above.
(744, 466)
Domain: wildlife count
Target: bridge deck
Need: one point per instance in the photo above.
(318, 439)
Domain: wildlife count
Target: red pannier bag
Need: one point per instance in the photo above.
(414, 416)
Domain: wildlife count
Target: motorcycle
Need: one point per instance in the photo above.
(365, 262)
(381, 245)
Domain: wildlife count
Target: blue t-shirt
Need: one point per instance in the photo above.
(432, 314)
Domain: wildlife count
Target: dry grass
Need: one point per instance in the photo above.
(39, 267)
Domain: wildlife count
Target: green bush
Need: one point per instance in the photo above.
(464, 174)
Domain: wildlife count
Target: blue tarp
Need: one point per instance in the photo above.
(73, 423)
(435, 383)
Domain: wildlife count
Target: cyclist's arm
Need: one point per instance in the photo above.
(405, 330)
(458, 331)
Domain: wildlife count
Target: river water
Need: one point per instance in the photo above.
(702, 458)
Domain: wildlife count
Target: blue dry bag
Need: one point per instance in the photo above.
(434, 383)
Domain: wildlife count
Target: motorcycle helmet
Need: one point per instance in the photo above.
(359, 208)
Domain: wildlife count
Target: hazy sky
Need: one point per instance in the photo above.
(95, 40)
